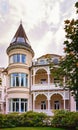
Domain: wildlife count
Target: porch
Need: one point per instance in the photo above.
(48, 101)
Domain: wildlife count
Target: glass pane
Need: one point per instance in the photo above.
(22, 81)
(23, 100)
(14, 58)
(20, 39)
(18, 57)
(25, 106)
(17, 106)
(26, 79)
(17, 81)
(23, 58)
(22, 107)
(13, 81)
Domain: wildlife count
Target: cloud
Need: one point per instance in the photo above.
(43, 22)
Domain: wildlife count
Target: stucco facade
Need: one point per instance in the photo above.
(28, 85)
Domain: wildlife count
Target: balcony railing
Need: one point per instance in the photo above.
(45, 86)
(40, 63)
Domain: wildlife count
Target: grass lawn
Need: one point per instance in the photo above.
(32, 128)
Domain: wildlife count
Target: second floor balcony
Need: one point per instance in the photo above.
(45, 86)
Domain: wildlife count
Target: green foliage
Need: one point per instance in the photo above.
(68, 66)
(65, 119)
(26, 119)
(70, 63)
(33, 119)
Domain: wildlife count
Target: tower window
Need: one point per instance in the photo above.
(18, 58)
(19, 80)
(20, 39)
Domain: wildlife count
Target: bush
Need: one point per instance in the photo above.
(65, 119)
(26, 119)
(33, 119)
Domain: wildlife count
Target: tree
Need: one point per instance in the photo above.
(68, 66)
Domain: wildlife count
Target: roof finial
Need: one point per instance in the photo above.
(21, 21)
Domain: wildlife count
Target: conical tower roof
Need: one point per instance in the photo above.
(20, 40)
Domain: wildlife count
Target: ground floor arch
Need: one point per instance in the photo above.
(47, 101)
(41, 102)
(56, 102)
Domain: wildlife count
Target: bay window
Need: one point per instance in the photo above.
(18, 58)
(19, 80)
(18, 105)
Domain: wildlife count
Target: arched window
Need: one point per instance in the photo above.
(0, 81)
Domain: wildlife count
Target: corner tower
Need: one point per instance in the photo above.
(20, 54)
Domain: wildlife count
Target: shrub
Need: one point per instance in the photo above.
(33, 119)
(26, 119)
(65, 119)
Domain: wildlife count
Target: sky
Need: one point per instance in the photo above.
(43, 21)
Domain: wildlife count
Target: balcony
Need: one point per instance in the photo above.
(45, 86)
(43, 62)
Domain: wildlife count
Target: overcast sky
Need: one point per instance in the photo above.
(43, 21)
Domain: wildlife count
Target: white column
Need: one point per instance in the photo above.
(48, 79)
(33, 79)
(28, 105)
(19, 105)
(33, 105)
(7, 106)
(64, 105)
(33, 102)
(48, 98)
(11, 107)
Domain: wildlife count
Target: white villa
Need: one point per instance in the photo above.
(28, 85)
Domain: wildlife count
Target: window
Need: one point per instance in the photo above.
(23, 58)
(18, 58)
(55, 61)
(0, 81)
(42, 61)
(19, 80)
(56, 105)
(18, 105)
(20, 39)
(43, 105)
(43, 81)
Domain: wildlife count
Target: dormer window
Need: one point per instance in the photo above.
(42, 61)
(18, 58)
(55, 61)
(20, 39)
